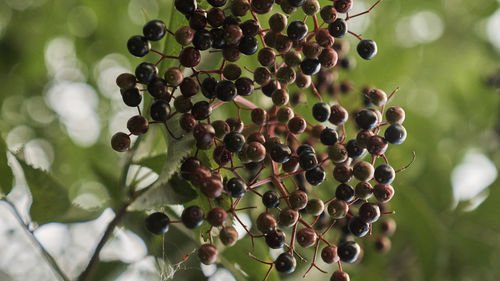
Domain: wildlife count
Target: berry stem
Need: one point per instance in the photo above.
(362, 13)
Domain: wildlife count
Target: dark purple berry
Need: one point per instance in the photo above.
(157, 223)
(154, 30)
(192, 217)
(138, 46)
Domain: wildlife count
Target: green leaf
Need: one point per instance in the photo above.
(50, 198)
(176, 191)
(155, 163)
(109, 270)
(176, 151)
(7, 177)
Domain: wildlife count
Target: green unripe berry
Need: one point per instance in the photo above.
(315, 207)
(363, 171)
(337, 153)
(311, 7)
(280, 97)
(298, 199)
(363, 190)
(337, 209)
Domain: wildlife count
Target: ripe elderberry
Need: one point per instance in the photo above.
(192, 217)
(348, 251)
(157, 223)
(285, 263)
(275, 239)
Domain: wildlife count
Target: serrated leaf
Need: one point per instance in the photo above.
(176, 151)
(50, 198)
(176, 191)
(155, 163)
(6, 180)
(171, 47)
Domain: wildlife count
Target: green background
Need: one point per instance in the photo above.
(437, 52)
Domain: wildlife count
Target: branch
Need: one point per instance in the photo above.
(46, 255)
(87, 273)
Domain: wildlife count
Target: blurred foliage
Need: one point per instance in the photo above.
(450, 109)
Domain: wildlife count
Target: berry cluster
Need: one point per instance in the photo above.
(274, 146)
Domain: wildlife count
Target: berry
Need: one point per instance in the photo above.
(248, 45)
(297, 30)
(275, 239)
(337, 153)
(338, 115)
(192, 217)
(189, 57)
(328, 14)
(217, 3)
(376, 145)
(348, 251)
(160, 110)
(288, 217)
(310, 66)
(305, 148)
(298, 199)
(338, 28)
(382, 244)
(207, 254)
(388, 226)
(226, 90)
(250, 28)
(329, 136)
(306, 237)
(271, 199)
(137, 125)
(395, 134)
(367, 49)
(297, 125)
(340, 276)
(120, 142)
(228, 236)
(315, 207)
(189, 87)
(183, 104)
(377, 97)
(187, 122)
(337, 209)
(342, 172)
(146, 72)
(321, 111)
(308, 160)
(216, 216)
(363, 190)
(384, 174)
(189, 166)
(218, 41)
(296, 3)
(363, 171)
(358, 227)
(262, 6)
(266, 57)
(126, 81)
(278, 22)
(154, 30)
(285, 263)
(266, 222)
(157, 223)
(236, 187)
(215, 17)
(202, 39)
(208, 87)
(174, 76)
(344, 192)
(256, 151)
(132, 97)
(184, 35)
(280, 153)
(369, 212)
(353, 149)
(186, 6)
(329, 254)
(383, 193)
(234, 142)
(231, 71)
(366, 119)
(394, 115)
(138, 46)
(315, 176)
(363, 137)
(158, 88)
